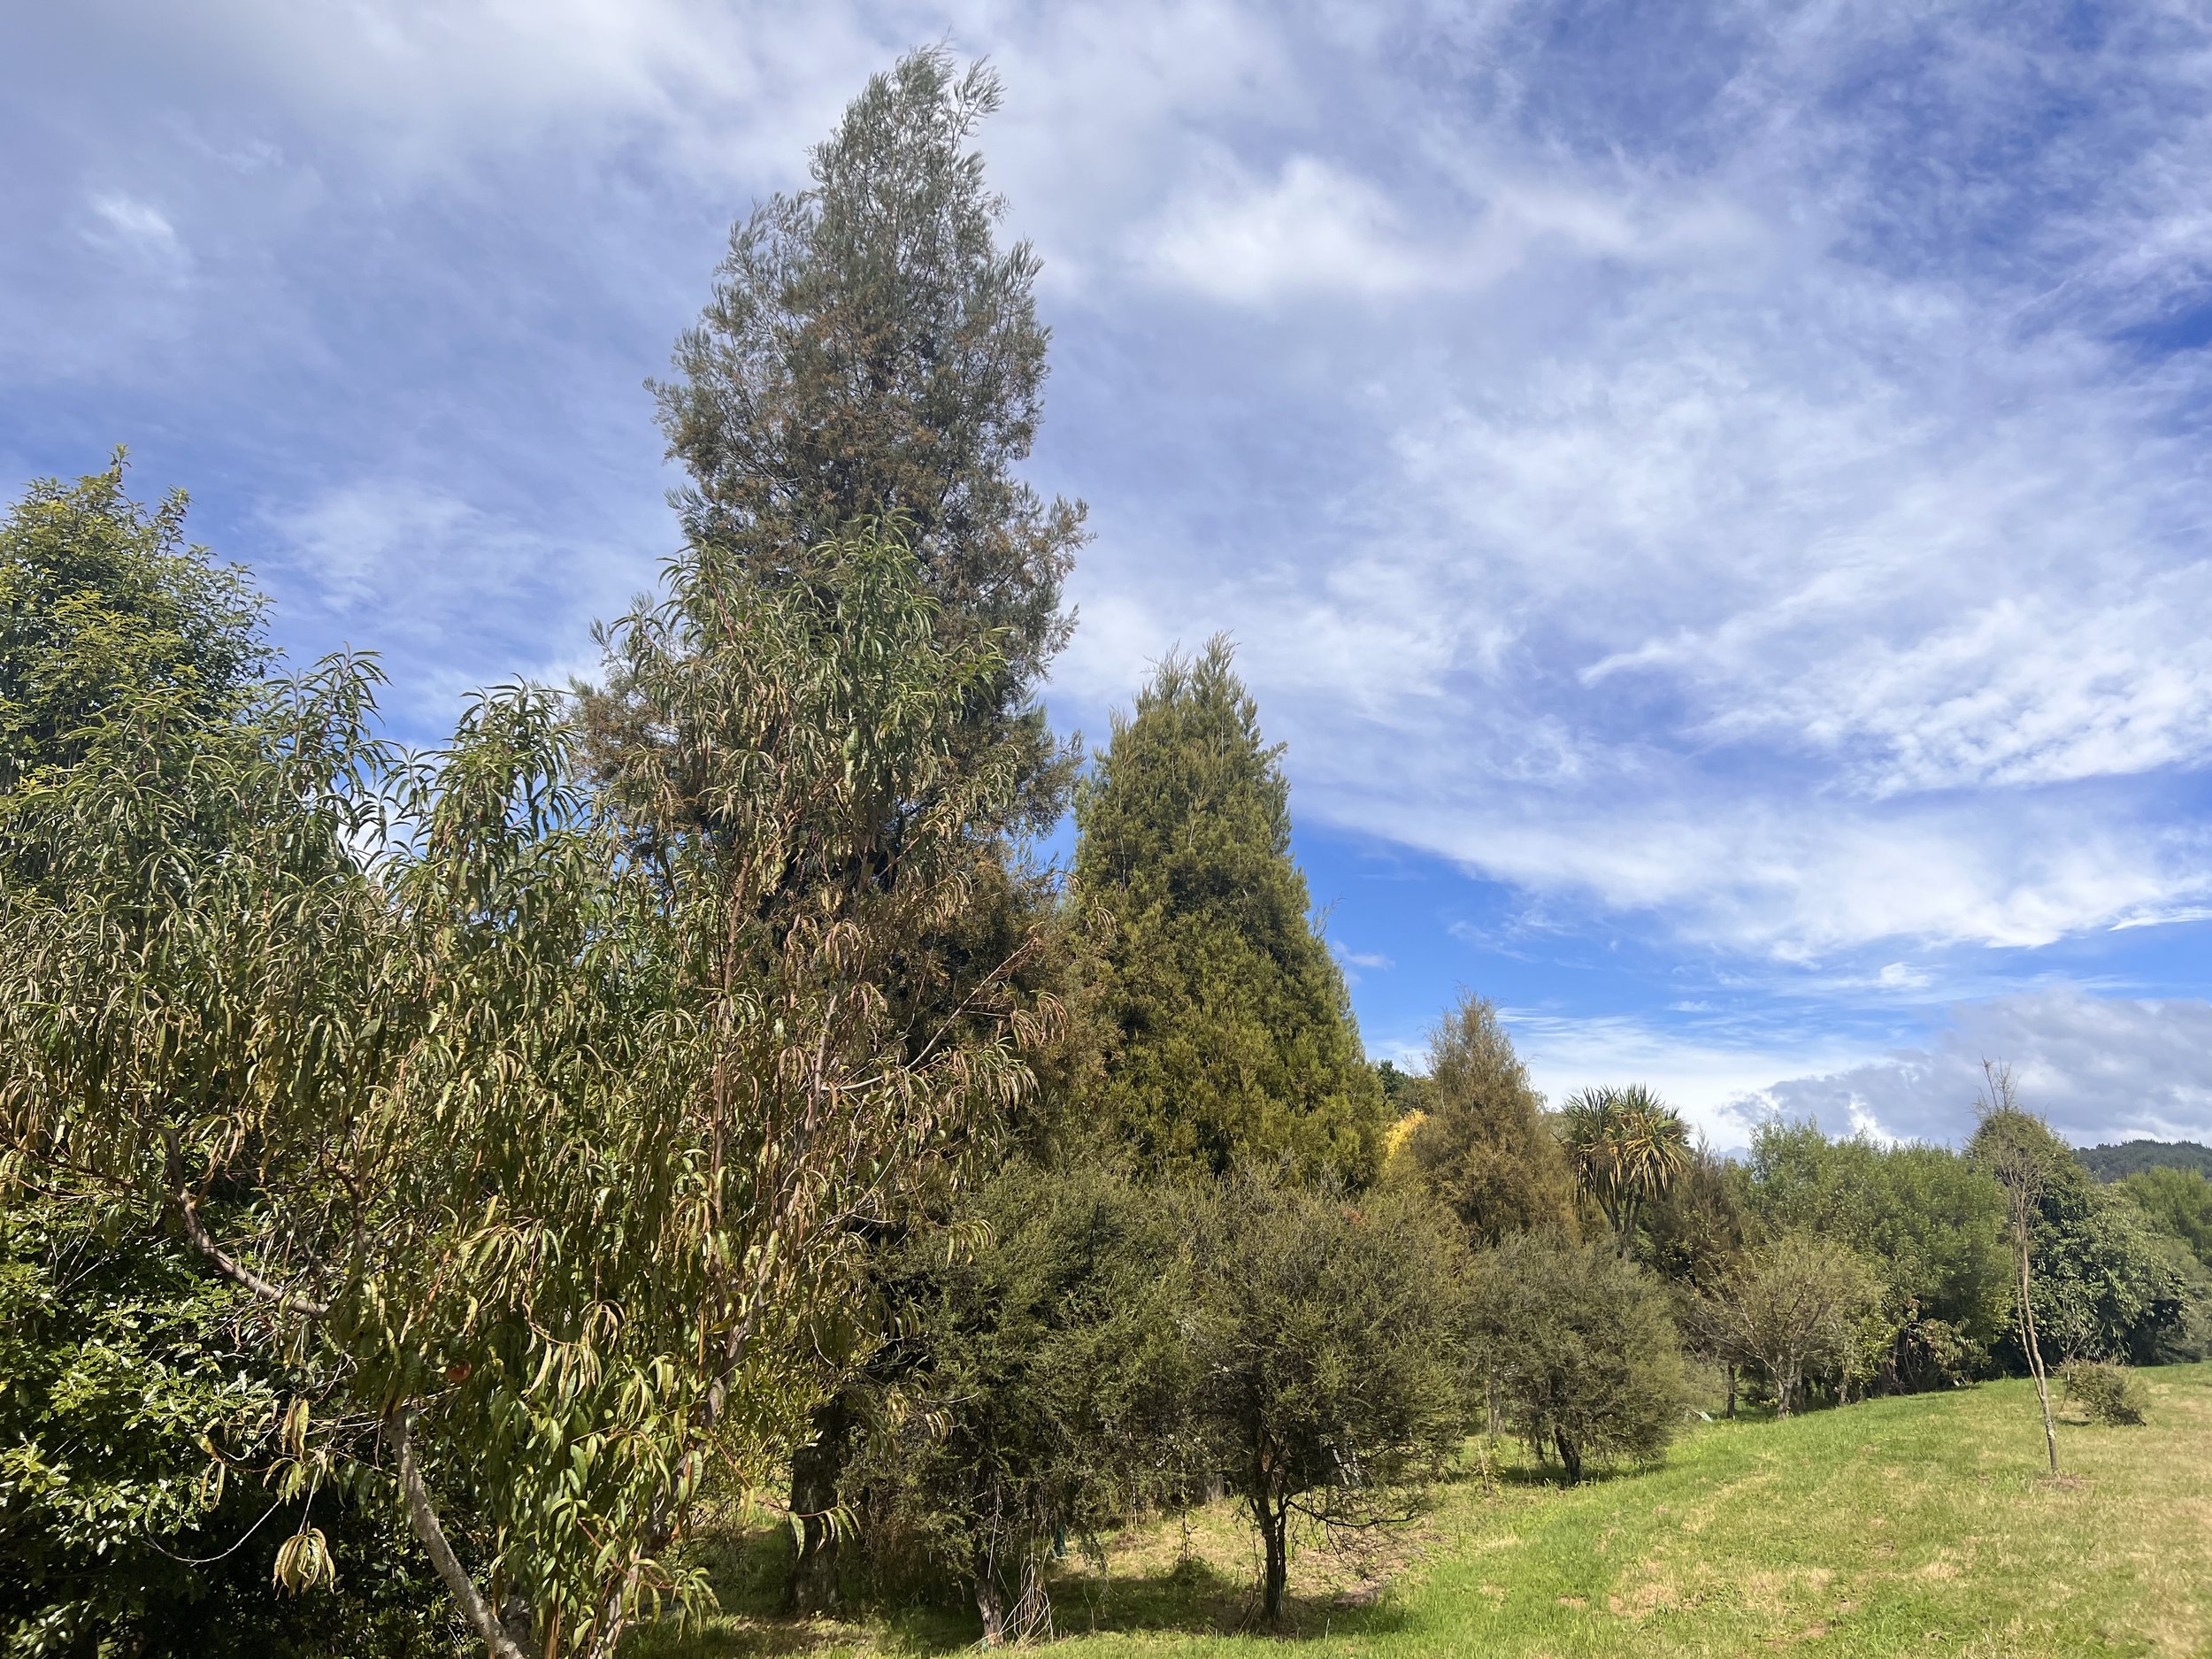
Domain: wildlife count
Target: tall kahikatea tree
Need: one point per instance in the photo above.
(1230, 1037)
(1482, 1146)
(872, 350)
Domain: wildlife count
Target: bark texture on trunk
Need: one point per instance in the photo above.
(1278, 1529)
(816, 1468)
(498, 1637)
(990, 1602)
(1569, 1458)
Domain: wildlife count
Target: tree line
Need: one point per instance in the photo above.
(435, 1180)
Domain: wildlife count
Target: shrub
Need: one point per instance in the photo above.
(1800, 1309)
(1577, 1351)
(1324, 1347)
(1038, 1382)
(2111, 1394)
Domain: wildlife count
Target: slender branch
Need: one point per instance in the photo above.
(199, 1238)
(475, 1610)
(197, 1234)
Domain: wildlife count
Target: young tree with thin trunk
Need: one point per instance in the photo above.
(1324, 1347)
(1577, 1348)
(2014, 1147)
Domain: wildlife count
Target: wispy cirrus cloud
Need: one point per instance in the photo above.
(1724, 483)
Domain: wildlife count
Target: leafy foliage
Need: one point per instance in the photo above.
(1039, 1385)
(1693, 1233)
(1482, 1148)
(557, 1145)
(871, 351)
(2101, 1286)
(2110, 1393)
(1625, 1148)
(2135, 1157)
(1929, 1220)
(102, 603)
(1325, 1347)
(141, 1499)
(1577, 1350)
(1802, 1309)
(2179, 1202)
(1229, 1037)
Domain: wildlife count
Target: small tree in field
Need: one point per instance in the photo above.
(1324, 1352)
(2020, 1152)
(1797, 1307)
(1041, 1382)
(1580, 1349)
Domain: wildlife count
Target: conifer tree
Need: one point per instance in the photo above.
(870, 351)
(1230, 1037)
(1482, 1146)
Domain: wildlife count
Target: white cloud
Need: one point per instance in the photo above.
(139, 231)
(2099, 1069)
(1315, 228)
(1714, 1078)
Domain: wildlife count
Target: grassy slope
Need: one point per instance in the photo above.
(1899, 1526)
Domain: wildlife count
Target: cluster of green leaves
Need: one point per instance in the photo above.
(144, 1490)
(1625, 1147)
(552, 1125)
(1037, 1381)
(2105, 1284)
(1799, 1307)
(1228, 1036)
(1927, 1221)
(870, 350)
(1576, 1350)
(2110, 1394)
(1328, 1371)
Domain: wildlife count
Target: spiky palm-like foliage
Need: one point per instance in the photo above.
(1625, 1147)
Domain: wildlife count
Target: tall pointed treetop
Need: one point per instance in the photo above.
(1232, 1040)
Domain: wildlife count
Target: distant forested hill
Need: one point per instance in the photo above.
(2131, 1157)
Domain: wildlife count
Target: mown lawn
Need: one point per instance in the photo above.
(1899, 1526)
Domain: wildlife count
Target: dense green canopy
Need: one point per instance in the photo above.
(1230, 1037)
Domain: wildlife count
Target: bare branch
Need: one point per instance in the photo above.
(197, 1234)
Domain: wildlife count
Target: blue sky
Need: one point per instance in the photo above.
(1714, 497)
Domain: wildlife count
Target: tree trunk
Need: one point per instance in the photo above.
(1569, 1458)
(1732, 1388)
(2035, 1359)
(815, 1468)
(1276, 1524)
(989, 1602)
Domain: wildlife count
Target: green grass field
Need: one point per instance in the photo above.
(1899, 1526)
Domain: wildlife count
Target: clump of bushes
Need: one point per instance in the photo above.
(1577, 1351)
(2111, 1394)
